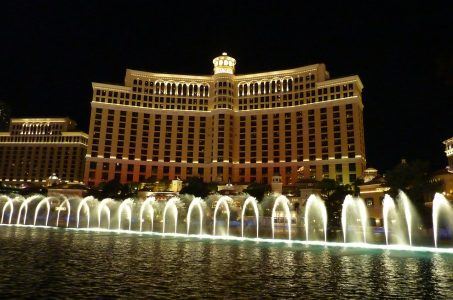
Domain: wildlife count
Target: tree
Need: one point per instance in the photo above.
(333, 194)
(110, 189)
(163, 184)
(413, 178)
(195, 186)
(257, 190)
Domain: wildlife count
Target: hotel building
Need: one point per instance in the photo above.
(227, 127)
(34, 149)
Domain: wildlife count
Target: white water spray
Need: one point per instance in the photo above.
(254, 203)
(125, 205)
(103, 207)
(84, 204)
(171, 204)
(148, 203)
(66, 204)
(41, 203)
(281, 200)
(196, 202)
(9, 203)
(315, 203)
(223, 201)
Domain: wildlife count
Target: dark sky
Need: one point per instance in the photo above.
(52, 51)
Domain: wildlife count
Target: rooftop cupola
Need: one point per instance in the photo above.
(224, 64)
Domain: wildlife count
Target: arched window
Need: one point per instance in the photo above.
(157, 90)
(195, 90)
(173, 89)
(179, 88)
(290, 84)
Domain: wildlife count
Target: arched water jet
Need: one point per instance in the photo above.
(281, 200)
(47, 203)
(125, 205)
(60, 207)
(171, 204)
(148, 203)
(84, 204)
(197, 201)
(439, 202)
(407, 214)
(358, 207)
(24, 207)
(314, 202)
(104, 208)
(223, 201)
(250, 200)
(388, 205)
(363, 213)
(9, 203)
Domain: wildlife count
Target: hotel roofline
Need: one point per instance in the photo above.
(313, 67)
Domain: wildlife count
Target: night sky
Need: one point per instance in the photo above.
(52, 51)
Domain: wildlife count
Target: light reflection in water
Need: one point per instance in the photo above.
(104, 264)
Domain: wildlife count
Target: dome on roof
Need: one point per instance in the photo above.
(224, 64)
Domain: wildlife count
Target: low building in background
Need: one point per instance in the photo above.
(372, 191)
(69, 190)
(446, 175)
(34, 149)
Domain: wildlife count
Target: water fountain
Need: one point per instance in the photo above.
(404, 200)
(315, 205)
(103, 207)
(41, 203)
(388, 207)
(196, 202)
(9, 204)
(440, 203)
(356, 209)
(147, 204)
(171, 204)
(397, 216)
(223, 201)
(127, 206)
(281, 200)
(84, 204)
(65, 204)
(24, 208)
(254, 203)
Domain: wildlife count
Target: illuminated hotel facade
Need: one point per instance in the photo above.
(35, 148)
(226, 127)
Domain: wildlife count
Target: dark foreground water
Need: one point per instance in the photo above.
(43, 263)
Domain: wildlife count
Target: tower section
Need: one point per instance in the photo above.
(222, 119)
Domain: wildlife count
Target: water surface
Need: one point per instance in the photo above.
(43, 263)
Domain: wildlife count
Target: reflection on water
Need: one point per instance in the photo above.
(42, 263)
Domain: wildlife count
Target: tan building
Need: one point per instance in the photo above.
(226, 127)
(446, 175)
(36, 148)
(372, 191)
